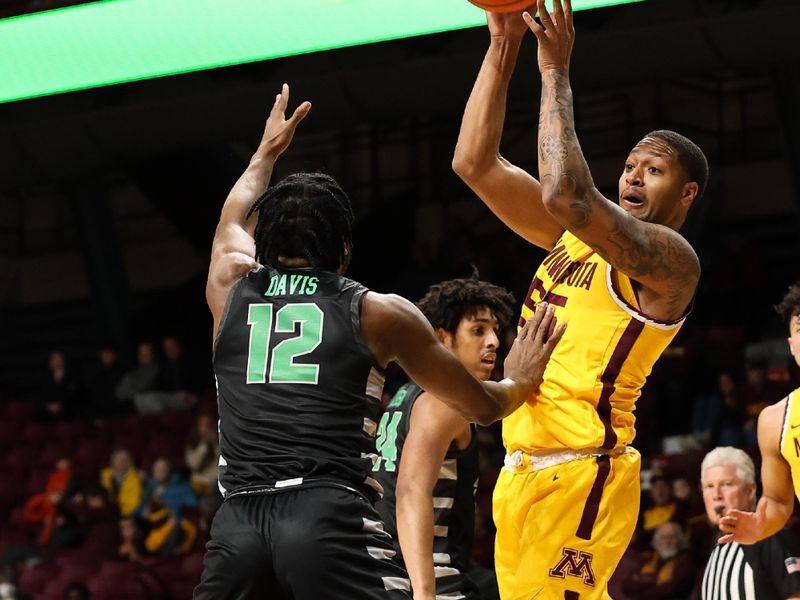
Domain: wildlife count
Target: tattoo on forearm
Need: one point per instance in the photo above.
(561, 163)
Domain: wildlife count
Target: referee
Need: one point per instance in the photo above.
(767, 570)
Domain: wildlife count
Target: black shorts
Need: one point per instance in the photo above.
(311, 543)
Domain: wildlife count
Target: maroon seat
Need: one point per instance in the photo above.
(16, 411)
(102, 539)
(182, 590)
(35, 433)
(76, 568)
(192, 565)
(35, 579)
(21, 456)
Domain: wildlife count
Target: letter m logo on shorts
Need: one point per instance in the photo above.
(574, 564)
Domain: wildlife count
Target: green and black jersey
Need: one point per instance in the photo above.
(298, 389)
(453, 494)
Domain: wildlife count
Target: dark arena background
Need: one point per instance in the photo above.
(109, 197)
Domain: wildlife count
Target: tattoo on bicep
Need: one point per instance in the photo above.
(656, 254)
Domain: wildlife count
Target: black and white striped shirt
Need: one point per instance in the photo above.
(763, 571)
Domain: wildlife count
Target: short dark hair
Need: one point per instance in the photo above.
(446, 303)
(306, 215)
(690, 157)
(790, 305)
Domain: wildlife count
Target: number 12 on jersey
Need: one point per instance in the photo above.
(281, 365)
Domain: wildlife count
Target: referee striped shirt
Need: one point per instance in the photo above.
(767, 570)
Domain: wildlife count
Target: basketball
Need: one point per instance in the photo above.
(503, 6)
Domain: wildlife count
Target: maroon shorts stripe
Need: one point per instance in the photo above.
(568, 595)
(609, 378)
(592, 506)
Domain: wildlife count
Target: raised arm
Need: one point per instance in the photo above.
(657, 257)
(433, 428)
(511, 193)
(777, 500)
(395, 330)
(233, 249)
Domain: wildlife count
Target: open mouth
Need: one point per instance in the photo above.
(488, 361)
(633, 201)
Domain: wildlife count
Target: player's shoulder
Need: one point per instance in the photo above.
(387, 309)
(774, 414)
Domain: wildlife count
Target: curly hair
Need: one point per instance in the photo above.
(306, 215)
(446, 303)
(790, 305)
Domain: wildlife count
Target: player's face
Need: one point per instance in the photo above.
(794, 338)
(723, 490)
(653, 184)
(475, 342)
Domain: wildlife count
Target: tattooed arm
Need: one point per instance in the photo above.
(656, 256)
(510, 192)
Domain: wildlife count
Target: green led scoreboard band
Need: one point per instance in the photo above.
(114, 41)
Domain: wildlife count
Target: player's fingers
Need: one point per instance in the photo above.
(568, 16)
(537, 29)
(544, 326)
(558, 13)
(552, 341)
(300, 112)
(544, 14)
(283, 101)
(533, 324)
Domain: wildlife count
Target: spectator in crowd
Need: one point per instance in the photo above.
(61, 393)
(142, 378)
(766, 570)
(166, 496)
(177, 374)
(103, 382)
(122, 482)
(718, 416)
(690, 503)
(90, 506)
(758, 393)
(202, 458)
(76, 591)
(202, 455)
(172, 389)
(131, 538)
(668, 573)
(46, 511)
(663, 508)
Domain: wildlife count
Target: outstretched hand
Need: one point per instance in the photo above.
(279, 130)
(744, 527)
(507, 25)
(532, 348)
(555, 36)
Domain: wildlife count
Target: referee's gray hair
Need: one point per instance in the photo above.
(724, 456)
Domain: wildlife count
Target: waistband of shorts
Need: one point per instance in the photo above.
(523, 462)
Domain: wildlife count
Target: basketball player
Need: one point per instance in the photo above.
(299, 353)
(620, 275)
(429, 454)
(778, 441)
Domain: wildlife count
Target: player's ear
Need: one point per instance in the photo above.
(690, 190)
(445, 337)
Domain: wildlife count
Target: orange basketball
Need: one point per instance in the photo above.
(503, 6)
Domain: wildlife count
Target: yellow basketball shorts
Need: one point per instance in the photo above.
(562, 530)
